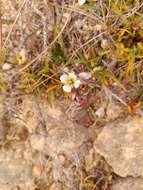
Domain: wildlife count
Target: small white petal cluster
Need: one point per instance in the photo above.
(6, 67)
(104, 43)
(69, 82)
(81, 2)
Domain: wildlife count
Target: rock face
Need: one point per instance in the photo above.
(121, 144)
(37, 139)
(128, 184)
(14, 171)
(50, 130)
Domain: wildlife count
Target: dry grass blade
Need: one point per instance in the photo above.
(86, 43)
(82, 12)
(43, 81)
(45, 50)
(12, 27)
(0, 28)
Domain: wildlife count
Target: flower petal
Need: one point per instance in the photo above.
(6, 66)
(81, 2)
(72, 76)
(64, 78)
(77, 83)
(67, 88)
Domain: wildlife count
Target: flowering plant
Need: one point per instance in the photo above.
(69, 81)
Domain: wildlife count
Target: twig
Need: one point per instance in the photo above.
(116, 97)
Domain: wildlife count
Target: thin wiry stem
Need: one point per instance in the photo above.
(45, 50)
(86, 43)
(0, 28)
(12, 27)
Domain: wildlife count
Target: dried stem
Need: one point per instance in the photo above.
(18, 14)
(0, 27)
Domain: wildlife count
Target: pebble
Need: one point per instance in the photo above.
(37, 170)
(104, 43)
(56, 186)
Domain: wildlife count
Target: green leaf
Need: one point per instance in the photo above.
(57, 53)
(131, 63)
(50, 97)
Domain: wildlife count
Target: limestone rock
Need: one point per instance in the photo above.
(128, 184)
(38, 134)
(121, 144)
(60, 135)
(66, 138)
(52, 134)
(13, 171)
(112, 111)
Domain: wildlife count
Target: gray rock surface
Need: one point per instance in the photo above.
(128, 184)
(14, 170)
(38, 142)
(51, 131)
(121, 144)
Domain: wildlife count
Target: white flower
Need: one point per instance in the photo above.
(100, 112)
(6, 67)
(81, 2)
(104, 43)
(69, 81)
